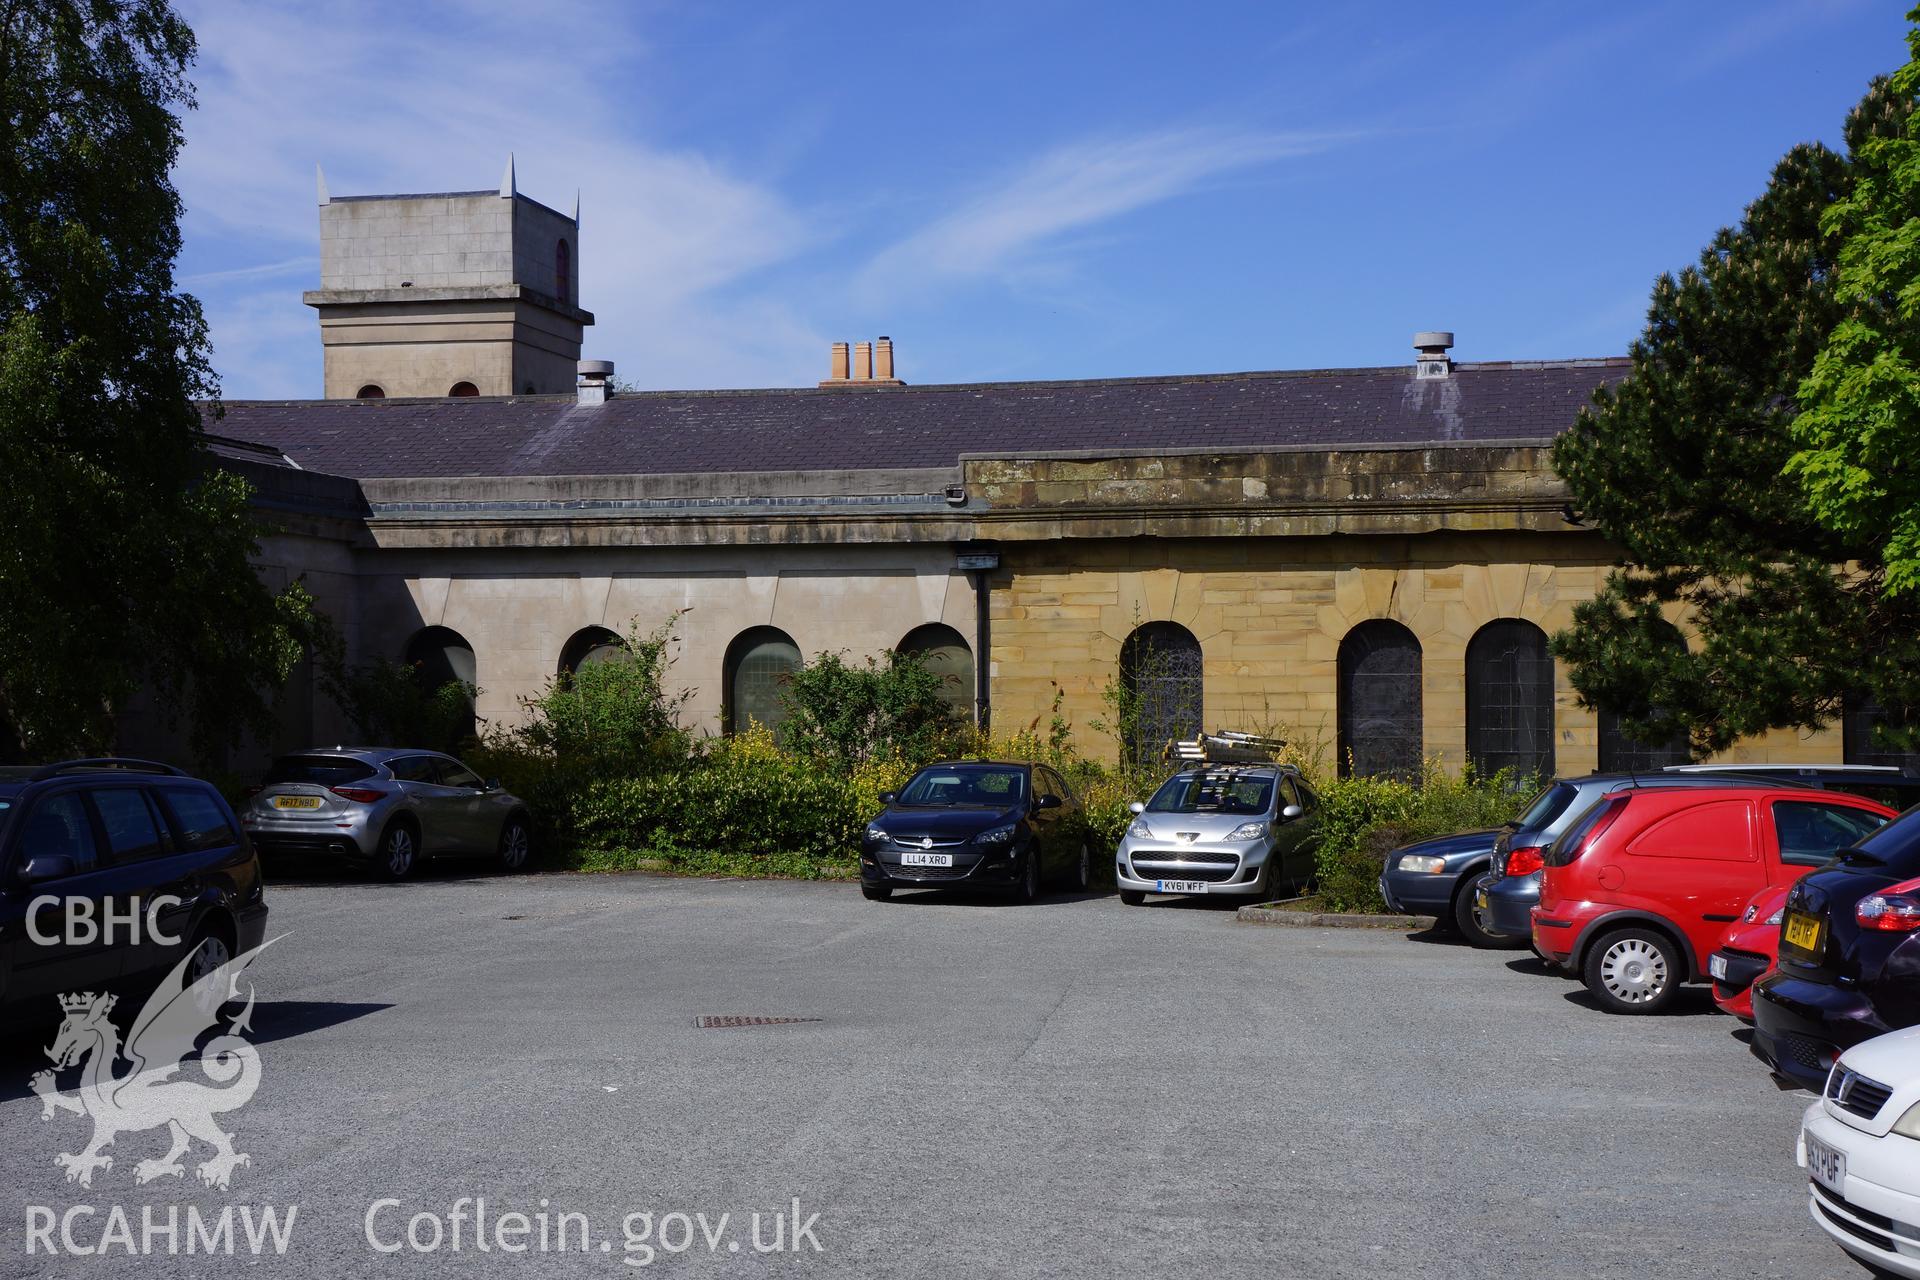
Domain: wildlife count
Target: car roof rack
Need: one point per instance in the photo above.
(1806, 769)
(104, 764)
(1227, 748)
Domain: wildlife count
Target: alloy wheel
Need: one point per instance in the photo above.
(1634, 971)
(514, 845)
(399, 852)
(209, 956)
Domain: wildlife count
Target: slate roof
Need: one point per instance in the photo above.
(833, 429)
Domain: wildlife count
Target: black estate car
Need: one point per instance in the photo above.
(114, 868)
(1849, 965)
(1009, 825)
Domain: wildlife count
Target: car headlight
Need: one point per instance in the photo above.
(1908, 1125)
(1425, 864)
(1248, 831)
(1140, 830)
(1777, 916)
(877, 834)
(999, 835)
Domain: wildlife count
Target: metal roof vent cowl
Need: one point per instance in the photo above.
(594, 377)
(1432, 361)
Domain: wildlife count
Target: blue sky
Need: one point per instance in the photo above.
(1047, 189)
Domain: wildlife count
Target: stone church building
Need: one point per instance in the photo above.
(1369, 558)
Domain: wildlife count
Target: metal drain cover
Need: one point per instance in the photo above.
(708, 1021)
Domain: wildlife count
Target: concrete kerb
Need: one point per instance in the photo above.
(1279, 913)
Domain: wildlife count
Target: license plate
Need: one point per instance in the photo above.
(1803, 931)
(1828, 1166)
(1179, 886)
(1717, 966)
(296, 802)
(926, 859)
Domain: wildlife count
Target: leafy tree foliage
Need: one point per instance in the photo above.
(884, 709)
(615, 715)
(1681, 467)
(124, 556)
(1859, 428)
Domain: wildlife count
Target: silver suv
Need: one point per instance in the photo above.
(1220, 828)
(387, 807)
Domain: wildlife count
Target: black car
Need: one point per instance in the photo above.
(1004, 824)
(111, 869)
(1849, 966)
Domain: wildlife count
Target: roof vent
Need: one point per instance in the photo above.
(594, 377)
(1432, 361)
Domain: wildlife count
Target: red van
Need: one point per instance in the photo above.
(1639, 890)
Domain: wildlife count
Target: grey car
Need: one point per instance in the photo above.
(387, 808)
(1228, 829)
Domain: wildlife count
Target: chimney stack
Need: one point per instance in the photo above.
(594, 376)
(863, 364)
(1432, 360)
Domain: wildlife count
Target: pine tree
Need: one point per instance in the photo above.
(1681, 467)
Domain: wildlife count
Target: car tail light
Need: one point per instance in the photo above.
(1895, 910)
(1526, 860)
(364, 795)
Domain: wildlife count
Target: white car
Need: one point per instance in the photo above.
(1860, 1146)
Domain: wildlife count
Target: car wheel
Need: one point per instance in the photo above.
(876, 892)
(1475, 925)
(516, 845)
(1133, 897)
(1634, 971)
(1029, 890)
(210, 952)
(1084, 875)
(399, 852)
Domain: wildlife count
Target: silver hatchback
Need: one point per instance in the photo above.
(1230, 829)
(388, 808)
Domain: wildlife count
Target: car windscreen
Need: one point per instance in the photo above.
(1895, 846)
(1203, 792)
(327, 771)
(965, 786)
(1550, 804)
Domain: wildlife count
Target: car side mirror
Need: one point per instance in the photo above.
(1136, 807)
(46, 866)
(888, 797)
(493, 784)
(1046, 802)
(1291, 812)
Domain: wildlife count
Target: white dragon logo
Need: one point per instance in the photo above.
(148, 1097)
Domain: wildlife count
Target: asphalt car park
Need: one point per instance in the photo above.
(1064, 1088)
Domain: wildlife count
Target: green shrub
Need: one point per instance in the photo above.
(389, 702)
(1364, 819)
(844, 714)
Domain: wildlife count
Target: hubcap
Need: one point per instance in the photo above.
(399, 852)
(516, 849)
(211, 954)
(1086, 865)
(1634, 971)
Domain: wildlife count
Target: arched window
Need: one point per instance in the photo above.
(1857, 742)
(588, 646)
(1510, 699)
(563, 271)
(759, 663)
(440, 656)
(463, 389)
(372, 391)
(946, 654)
(1621, 754)
(1162, 673)
(1380, 722)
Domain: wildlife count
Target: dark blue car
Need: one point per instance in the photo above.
(112, 869)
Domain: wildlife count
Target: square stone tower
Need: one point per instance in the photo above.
(458, 294)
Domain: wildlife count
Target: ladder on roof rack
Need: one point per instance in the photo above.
(1227, 748)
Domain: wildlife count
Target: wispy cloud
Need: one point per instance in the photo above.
(1075, 187)
(432, 96)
